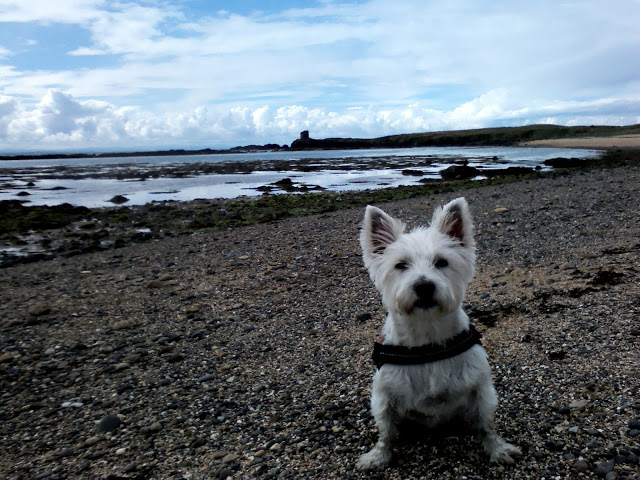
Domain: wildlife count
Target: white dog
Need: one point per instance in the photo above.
(422, 277)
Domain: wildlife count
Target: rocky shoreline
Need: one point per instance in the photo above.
(245, 352)
(33, 233)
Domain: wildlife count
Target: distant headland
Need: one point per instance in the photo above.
(499, 136)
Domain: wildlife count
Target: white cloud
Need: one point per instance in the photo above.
(61, 121)
(47, 12)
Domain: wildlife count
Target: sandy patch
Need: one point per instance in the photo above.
(618, 141)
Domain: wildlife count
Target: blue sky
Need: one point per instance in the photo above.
(110, 75)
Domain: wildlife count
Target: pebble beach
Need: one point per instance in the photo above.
(245, 352)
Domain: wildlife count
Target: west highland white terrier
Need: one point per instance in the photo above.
(431, 365)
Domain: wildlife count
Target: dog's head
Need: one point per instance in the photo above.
(424, 272)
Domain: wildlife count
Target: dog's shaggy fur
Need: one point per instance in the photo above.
(423, 276)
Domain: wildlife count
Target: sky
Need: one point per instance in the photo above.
(79, 75)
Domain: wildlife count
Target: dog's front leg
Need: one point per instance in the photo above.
(499, 450)
(382, 411)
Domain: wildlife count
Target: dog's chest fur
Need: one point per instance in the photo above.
(435, 392)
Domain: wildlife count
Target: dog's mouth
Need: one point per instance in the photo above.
(425, 304)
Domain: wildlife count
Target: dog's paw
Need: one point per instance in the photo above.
(504, 453)
(376, 458)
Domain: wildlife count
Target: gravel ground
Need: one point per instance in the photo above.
(246, 352)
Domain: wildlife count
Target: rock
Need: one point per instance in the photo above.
(155, 284)
(364, 317)
(563, 162)
(175, 358)
(634, 424)
(557, 355)
(39, 309)
(207, 377)
(611, 476)
(108, 424)
(500, 210)
(119, 199)
(459, 172)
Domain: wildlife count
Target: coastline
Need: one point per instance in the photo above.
(247, 350)
(33, 233)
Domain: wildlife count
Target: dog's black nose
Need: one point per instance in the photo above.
(425, 290)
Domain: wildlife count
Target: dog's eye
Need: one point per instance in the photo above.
(402, 266)
(441, 263)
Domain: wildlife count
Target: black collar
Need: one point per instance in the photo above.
(432, 352)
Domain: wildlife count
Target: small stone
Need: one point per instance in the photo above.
(108, 424)
(577, 404)
(634, 424)
(225, 473)
(611, 476)
(557, 355)
(155, 284)
(198, 442)
(65, 452)
(230, 457)
(275, 447)
(92, 441)
(123, 324)
(39, 309)
(155, 427)
(604, 468)
(121, 451)
(500, 210)
(122, 366)
(206, 378)
(581, 465)
(554, 445)
(175, 358)
(6, 358)
(219, 454)
(364, 317)
(593, 443)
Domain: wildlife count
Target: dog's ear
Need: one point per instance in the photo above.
(378, 231)
(454, 220)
